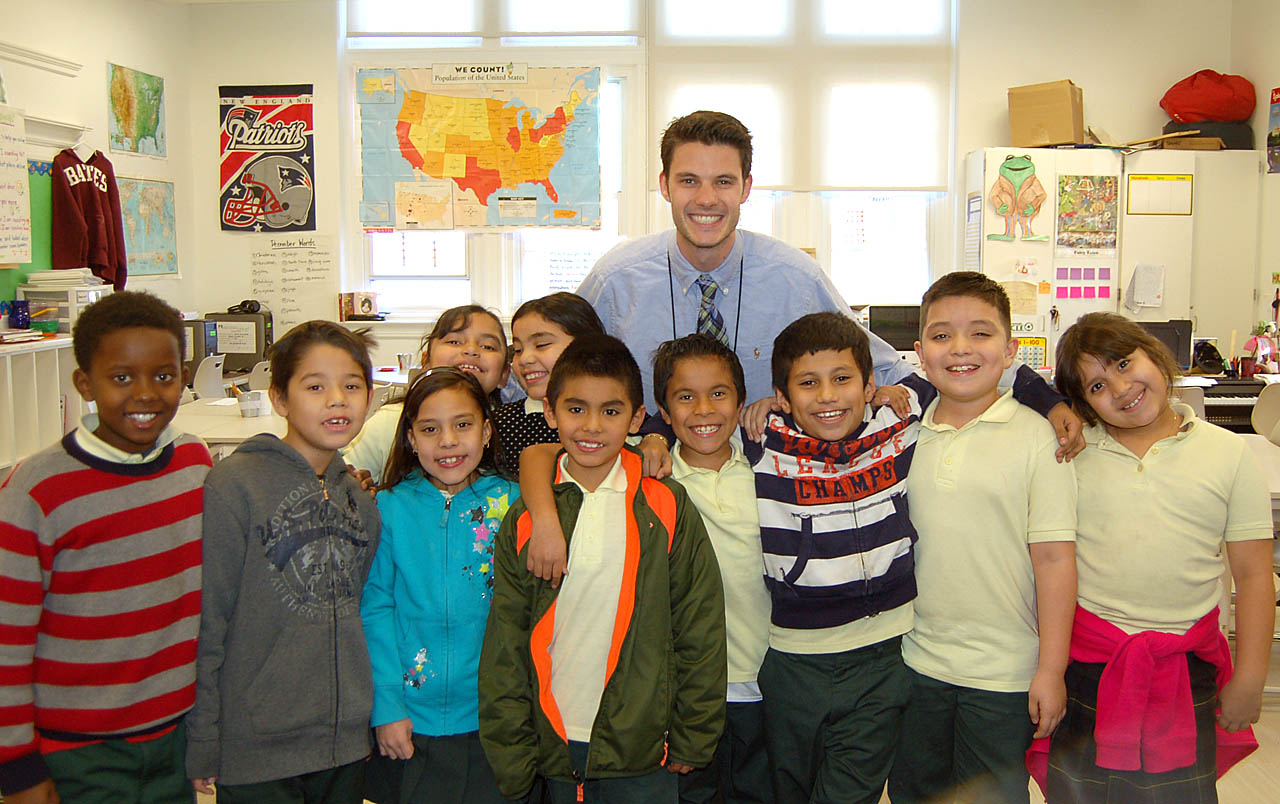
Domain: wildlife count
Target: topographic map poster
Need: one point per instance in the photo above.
(135, 101)
(150, 236)
(267, 168)
(477, 145)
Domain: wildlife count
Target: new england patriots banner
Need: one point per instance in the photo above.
(267, 143)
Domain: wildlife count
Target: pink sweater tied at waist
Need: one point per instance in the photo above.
(1146, 718)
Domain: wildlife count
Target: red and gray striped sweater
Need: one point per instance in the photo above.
(99, 599)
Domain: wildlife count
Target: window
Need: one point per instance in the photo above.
(848, 102)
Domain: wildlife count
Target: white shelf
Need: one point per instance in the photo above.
(38, 400)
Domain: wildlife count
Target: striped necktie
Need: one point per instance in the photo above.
(710, 321)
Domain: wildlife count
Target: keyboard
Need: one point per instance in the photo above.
(1229, 403)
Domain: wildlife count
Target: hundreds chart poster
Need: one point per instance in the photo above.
(267, 168)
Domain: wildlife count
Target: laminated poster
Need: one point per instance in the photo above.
(267, 159)
(1088, 214)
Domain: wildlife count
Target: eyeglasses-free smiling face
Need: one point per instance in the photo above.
(538, 344)
(964, 349)
(478, 349)
(593, 417)
(135, 381)
(706, 189)
(1129, 394)
(449, 434)
(325, 403)
(702, 407)
(827, 394)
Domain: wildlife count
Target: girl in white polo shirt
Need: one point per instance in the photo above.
(1152, 702)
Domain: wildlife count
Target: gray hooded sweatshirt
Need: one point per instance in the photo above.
(283, 684)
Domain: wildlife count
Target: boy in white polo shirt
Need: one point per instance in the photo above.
(995, 562)
(613, 682)
(699, 385)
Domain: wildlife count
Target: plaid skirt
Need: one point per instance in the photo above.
(1075, 778)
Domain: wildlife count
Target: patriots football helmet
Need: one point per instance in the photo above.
(276, 191)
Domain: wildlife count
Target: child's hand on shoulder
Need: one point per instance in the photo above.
(365, 478)
(896, 397)
(754, 415)
(1240, 704)
(43, 793)
(657, 456)
(547, 550)
(395, 739)
(1069, 430)
(1047, 702)
(203, 786)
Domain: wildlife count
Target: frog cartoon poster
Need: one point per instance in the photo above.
(1016, 196)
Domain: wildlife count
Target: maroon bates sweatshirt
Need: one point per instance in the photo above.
(88, 230)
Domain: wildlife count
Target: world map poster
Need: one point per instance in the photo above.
(150, 227)
(267, 158)
(479, 145)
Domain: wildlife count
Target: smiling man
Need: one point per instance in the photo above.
(707, 275)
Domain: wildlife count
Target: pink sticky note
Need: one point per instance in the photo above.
(1062, 292)
(1104, 273)
(1075, 292)
(1088, 273)
(1062, 273)
(1104, 292)
(1075, 273)
(1088, 291)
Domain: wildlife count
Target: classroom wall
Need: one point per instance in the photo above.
(1123, 56)
(1255, 26)
(144, 35)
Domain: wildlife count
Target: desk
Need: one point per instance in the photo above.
(221, 424)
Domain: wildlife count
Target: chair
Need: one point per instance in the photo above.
(1193, 397)
(381, 395)
(208, 380)
(260, 377)
(1266, 411)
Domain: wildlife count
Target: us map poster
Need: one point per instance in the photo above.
(267, 153)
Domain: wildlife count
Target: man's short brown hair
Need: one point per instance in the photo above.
(708, 128)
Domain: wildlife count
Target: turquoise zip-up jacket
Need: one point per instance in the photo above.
(427, 600)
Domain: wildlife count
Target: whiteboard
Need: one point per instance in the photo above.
(296, 277)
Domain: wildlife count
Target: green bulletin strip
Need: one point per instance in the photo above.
(41, 196)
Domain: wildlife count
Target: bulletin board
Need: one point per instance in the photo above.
(41, 195)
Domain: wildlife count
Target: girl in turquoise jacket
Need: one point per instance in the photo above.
(427, 598)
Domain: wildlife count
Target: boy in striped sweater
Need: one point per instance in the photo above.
(100, 577)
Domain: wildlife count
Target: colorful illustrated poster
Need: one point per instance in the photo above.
(1088, 215)
(267, 143)
(503, 144)
(1273, 134)
(135, 100)
(150, 227)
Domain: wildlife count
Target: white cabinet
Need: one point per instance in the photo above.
(38, 401)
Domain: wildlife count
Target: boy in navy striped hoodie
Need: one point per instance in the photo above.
(100, 577)
(838, 562)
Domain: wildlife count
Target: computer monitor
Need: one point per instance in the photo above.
(242, 337)
(202, 341)
(898, 325)
(1175, 334)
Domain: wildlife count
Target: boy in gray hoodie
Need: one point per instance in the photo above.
(283, 682)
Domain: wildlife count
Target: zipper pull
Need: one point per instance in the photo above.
(444, 516)
(324, 489)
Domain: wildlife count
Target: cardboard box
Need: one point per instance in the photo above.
(1193, 144)
(1046, 114)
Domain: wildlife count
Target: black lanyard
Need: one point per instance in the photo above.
(671, 286)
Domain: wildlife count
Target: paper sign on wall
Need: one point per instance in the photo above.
(15, 200)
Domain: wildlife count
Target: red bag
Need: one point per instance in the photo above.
(1209, 95)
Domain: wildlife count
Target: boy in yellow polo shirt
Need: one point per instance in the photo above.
(700, 389)
(995, 562)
